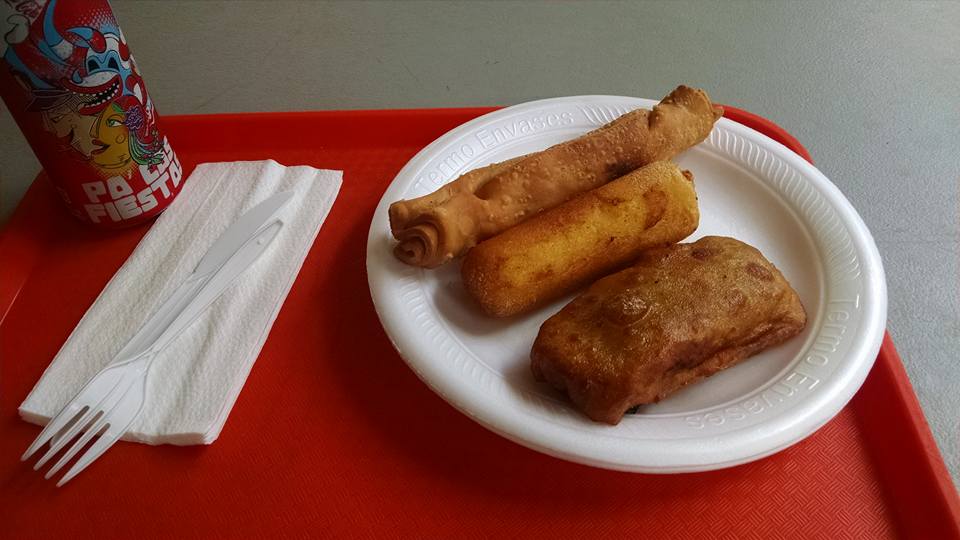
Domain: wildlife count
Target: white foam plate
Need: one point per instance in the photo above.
(750, 187)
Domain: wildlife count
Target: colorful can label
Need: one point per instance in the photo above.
(71, 84)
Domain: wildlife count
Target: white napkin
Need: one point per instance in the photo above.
(194, 383)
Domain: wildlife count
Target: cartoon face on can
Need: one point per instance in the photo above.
(83, 90)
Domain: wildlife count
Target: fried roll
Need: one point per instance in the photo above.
(435, 228)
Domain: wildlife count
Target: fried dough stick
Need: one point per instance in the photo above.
(585, 238)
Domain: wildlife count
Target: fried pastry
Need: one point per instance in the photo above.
(435, 228)
(587, 237)
(680, 314)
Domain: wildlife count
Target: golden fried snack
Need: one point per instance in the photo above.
(680, 314)
(437, 227)
(584, 238)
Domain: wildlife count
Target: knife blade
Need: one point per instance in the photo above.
(219, 281)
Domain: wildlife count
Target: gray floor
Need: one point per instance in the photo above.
(870, 88)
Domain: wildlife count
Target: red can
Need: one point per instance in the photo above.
(72, 86)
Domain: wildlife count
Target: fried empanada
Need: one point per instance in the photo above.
(680, 314)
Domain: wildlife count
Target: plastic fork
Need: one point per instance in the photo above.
(114, 397)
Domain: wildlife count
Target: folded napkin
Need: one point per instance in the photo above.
(194, 383)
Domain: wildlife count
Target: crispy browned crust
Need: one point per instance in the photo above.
(680, 314)
(589, 236)
(437, 227)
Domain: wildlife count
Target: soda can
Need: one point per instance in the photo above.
(71, 84)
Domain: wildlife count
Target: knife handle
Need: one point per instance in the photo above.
(153, 327)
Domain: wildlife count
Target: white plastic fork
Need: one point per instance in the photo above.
(113, 398)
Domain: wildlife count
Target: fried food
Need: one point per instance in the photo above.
(589, 236)
(680, 314)
(435, 228)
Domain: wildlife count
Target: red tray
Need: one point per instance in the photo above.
(334, 436)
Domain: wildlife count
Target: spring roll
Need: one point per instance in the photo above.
(680, 314)
(435, 228)
(581, 240)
